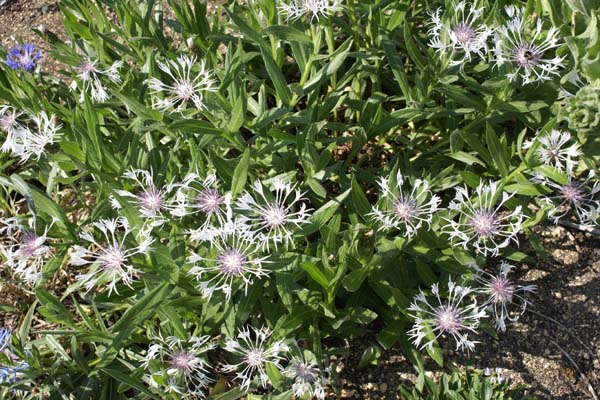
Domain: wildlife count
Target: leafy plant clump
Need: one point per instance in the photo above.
(209, 196)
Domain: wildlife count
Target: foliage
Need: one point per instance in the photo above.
(229, 196)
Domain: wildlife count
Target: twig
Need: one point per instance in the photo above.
(585, 346)
(583, 228)
(583, 376)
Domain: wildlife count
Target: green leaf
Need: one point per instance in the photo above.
(497, 151)
(288, 33)
(240, 174)
(315, 273)
(282, 90)
(129, 381)
(53, 309)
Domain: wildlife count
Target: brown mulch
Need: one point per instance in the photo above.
(554, 349)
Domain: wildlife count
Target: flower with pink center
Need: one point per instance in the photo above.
(10, 124)
(309, 380)
(480, 222)
(404, 210)
(204, 197)
(232, 259)
(571, 195)
(27, 251)
(459, 31)
(178, 365)
(253, 353)
(524, 53)
(273, 217)
(90, 82)
(189, 82)
(451, 318)
(110, 258)
(554, 149)
(30, 140)
(314, 10)
(504, 299)
(154, 202)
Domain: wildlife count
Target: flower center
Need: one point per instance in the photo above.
(112, 258)
(274, 216)
(231, 262)
(183, 361)
(464, 33)
(502, 289)
(209, 200)
(485, 223)
(255, 358)
(305, 372)
(8, 122)
(151, 200)
(447, 319)
(572, 193)
(86, 68)
(405, 209)
(29, 244)
(184, 89)
(527, 56)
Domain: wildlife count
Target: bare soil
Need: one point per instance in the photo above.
(554, 349)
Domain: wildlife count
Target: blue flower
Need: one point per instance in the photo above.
(8, 372)
(23, 56)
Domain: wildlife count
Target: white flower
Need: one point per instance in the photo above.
(552, 149)
(109, 258)
(89, 74)
(25, 142)
(254, 353)
(28, 252)
(151, 201)
(313, 9)
(10, 124)
(233, 257)
(308, 379)
(502, 294)
(179, 365)
(450, 317)
(404, 210)
(459, 31)
(526, 54)
(481, 224)
(187, 85)
(196, 195)
(571, 196)
(274, 217)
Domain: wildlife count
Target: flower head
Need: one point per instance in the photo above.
(503, 295)
(274, 216)
(179, 365)
(571, 196)
(25, 142)
(554, 149)
(451, 317)
(481, 224)
(312, 9)
(309, 380)
(9, 371)
(28, 252)
(187, 84)
(459, 31)
(233, 257)
(405, 210)
(151, 201)
(203, 196)
(254, 353)
(110, 257)
(89, 74)
(526, 54)
(23, 57)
